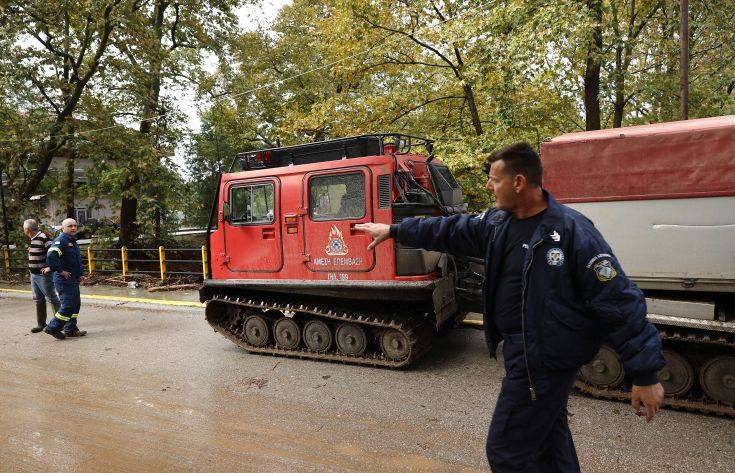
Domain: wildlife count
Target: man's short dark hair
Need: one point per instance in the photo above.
(520, 158)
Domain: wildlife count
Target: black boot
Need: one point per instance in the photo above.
(40, 316)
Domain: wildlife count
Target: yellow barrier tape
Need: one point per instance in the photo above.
(124, 299)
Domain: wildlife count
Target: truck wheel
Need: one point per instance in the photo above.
(605, 370)
(677, 377)
(351, 339)
(287, 333)
(394, 344)
(256, 330)
(317, 336)
(717, 377)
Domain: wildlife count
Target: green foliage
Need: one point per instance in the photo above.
(473, 75)
(331, 68)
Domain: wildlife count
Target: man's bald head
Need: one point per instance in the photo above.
(69, 226)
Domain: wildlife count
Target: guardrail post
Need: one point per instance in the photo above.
(204, 262)
(124, 257)
(6, 260)
(162, 261)
(90, 259)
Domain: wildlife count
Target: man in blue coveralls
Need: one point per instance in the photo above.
(553, 293)
(65, 260)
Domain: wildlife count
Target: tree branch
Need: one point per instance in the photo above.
(412, 109)
(423, 44)
(84, 45)
(45, 95)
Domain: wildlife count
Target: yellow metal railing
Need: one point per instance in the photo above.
(124, 257)
(204, 262)
(6, 259)
(162, 261)
(104, 264)
(90, 260)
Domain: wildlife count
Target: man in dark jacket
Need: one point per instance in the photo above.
(41, 283)
(65, 261)
(553, 293)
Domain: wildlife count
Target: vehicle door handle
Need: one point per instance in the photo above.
(269, 233)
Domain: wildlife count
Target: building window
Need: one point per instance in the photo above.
(337, 196)
(253, 204)
(81, 215)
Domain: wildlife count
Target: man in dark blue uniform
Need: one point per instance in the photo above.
(553, 293)
(65, 260)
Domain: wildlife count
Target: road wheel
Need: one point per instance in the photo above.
(256, 330)
(351, 339)
(394, 344)
(605, 370)
(287, 333)
(677, 377)
(717, 378)
(317, 336)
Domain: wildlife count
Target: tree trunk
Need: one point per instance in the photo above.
(129, 213)
(131, 186)
(69, 186)
(592, 70)
(470, 94)
(619, 84)
(684, 60)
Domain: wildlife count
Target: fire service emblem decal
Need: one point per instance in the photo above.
(336, 245)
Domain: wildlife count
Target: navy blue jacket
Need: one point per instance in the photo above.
(576, 295)
(64, 255)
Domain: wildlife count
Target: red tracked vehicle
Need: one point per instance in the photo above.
(291, 276)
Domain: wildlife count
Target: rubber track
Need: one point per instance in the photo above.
(701, 405)
(417, 329)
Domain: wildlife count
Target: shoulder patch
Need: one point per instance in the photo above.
(596, 257)
(604, 270)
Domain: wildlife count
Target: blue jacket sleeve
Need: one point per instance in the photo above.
(461, 234)
(53, 256)
(618, 304)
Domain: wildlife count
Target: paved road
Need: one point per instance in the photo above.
(154, 389)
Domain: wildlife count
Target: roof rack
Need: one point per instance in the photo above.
(332, 150)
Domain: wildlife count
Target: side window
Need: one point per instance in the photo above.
(337, 196)
(252, 204)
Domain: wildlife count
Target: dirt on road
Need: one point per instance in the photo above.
(154, 389)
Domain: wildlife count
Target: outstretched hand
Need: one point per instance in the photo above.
(379, 231)
(651, 397)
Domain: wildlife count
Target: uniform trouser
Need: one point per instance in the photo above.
(531, 436)
(43, 289)
(71, 301)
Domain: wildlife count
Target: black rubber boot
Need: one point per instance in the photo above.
(58, 334)
(40, 317)
(76, 333)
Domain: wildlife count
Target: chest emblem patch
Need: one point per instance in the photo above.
(336, 245)
(605, 270)
(555, 257)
